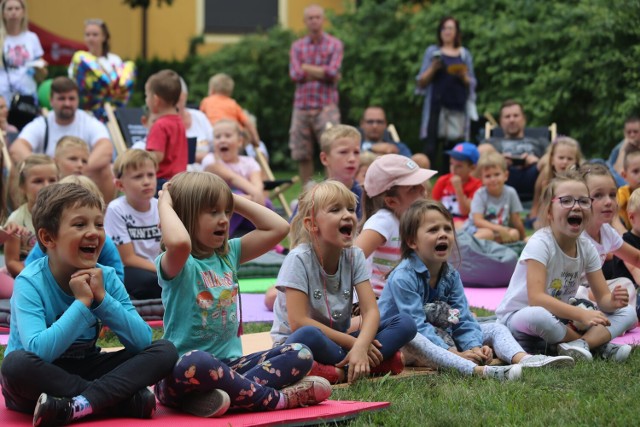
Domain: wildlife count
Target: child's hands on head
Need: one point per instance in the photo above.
(164, 196)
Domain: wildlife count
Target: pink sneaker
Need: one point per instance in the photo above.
(328, 372)
(395, 365)
(306, 392)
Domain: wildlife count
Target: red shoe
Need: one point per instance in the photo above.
(395, 365)
(328, 372)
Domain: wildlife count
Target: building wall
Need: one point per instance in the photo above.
(170, 28)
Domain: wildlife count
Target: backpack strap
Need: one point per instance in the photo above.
(46, 134)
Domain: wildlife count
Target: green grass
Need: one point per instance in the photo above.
(596, 393)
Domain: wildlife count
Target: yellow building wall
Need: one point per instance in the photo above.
(170, 28)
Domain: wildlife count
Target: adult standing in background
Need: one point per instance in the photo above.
(315, 62)
(447, 82)
(22, 53)
(100, 74)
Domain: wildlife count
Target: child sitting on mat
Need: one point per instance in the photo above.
(316, 284)
(59, 305)
(427, 233)
(549, 272)
(203, 317)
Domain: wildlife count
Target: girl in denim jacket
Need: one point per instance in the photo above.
(423, 276)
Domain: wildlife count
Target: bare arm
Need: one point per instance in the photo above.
(271, 228)
(19, 150)
(608, 301)
(175, 237)
(480, 222)
(12, 256)
(516, 222)
(131, 259)
(158, 154)
(426, 77)
(369, 241)
(464, 203)
(100, 156)
(236, 180)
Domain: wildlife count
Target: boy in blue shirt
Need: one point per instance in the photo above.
(58, 307)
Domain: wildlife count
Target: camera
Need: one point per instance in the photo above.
(437, 55)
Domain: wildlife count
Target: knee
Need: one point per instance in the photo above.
(407, 326)
(307, 335)
(166, 352)
(194, 359)
(16, 365)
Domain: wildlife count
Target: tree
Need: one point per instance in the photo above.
(144, 4)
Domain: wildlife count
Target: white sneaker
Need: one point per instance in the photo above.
(615, 352)
(503, 373)
(577, 349)
(540, 360)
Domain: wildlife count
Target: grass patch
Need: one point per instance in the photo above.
(596, 393)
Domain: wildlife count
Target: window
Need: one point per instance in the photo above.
(239, 16)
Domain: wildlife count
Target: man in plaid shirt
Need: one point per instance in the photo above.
(315, 62)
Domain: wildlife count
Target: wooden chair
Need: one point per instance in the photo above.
(550, 133)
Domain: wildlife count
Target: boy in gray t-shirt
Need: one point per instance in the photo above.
(496, 207)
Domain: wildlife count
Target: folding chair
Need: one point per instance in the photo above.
(114, 130)
(549, 133)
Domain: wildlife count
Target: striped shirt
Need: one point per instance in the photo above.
(386, 256)
(327, 53)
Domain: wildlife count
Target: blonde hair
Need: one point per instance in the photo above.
(312, 201)
(70, 142)
(549, 171)
(221, 83)
(24, 25)
(235, 124)
(628, 155)
(193, 193)
(491, 159)
(330, 135)
(132, 159)
(83, 181)
(634, 200)
(550, 192)
(32, 160)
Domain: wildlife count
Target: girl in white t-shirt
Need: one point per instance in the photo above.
(391, 184)
(603, 192)
(34, 173)
(242, 173)
(548, 275)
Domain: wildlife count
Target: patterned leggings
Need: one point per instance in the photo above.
(251, 381)
(422, 352)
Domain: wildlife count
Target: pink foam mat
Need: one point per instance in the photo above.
(488, 298)
(631, 337)
(326, 412)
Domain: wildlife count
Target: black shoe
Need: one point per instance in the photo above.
(52, 411)
(140, 405)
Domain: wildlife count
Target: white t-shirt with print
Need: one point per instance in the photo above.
(385, 257)
(19, 51)
(563, 272)
(126, 225)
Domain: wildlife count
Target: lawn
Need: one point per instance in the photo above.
(597, 393)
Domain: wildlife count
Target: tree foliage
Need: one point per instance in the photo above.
(568, 61)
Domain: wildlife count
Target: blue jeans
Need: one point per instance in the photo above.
(393, 333)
